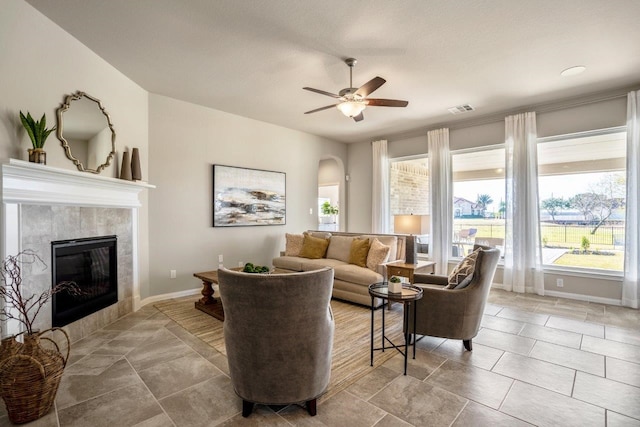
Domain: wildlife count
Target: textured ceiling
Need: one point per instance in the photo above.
(252, 57)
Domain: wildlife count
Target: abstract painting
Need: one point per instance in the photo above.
(244, 197)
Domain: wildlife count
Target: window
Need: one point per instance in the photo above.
(409, 194)
(581, 187)
(478, 199)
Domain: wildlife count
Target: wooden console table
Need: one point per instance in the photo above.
(400, 268)
(208, 303)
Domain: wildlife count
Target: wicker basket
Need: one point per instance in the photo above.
(29, 378)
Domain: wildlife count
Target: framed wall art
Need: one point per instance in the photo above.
(243, 197)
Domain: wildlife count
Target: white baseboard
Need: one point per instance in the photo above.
(156, 298)
(581, 297)
(557, 294)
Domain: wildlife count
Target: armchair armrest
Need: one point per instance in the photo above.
(430, 279)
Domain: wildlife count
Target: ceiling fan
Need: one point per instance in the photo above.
(353, 101)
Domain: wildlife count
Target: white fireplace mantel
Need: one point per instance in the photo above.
(24, 182)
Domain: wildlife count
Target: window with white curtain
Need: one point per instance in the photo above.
(409, 193)
(581, 186)
(478, 198)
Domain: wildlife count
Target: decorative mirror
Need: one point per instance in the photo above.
(86, 132)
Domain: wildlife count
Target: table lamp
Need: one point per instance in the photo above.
(411, 225)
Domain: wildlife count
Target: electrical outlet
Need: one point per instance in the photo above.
(172, 274)
(220, 258)
(310, 211)
(559, 283)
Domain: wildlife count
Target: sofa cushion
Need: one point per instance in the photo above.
(315, 264)
(391, 241)
(378, 254)
(294, 244)
(462, 274)
(354, 274)
(340, 247)
(313, 247)
(359, 251)
(289, 262)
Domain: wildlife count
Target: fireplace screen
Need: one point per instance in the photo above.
(92, 264)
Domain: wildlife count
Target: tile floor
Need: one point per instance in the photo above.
(536, 360)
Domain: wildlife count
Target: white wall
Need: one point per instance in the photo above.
(186, 141)
(559, 121)
(40, 64)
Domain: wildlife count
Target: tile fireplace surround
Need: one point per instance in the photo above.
(41, 204)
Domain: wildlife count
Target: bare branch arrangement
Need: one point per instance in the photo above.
(16, 305)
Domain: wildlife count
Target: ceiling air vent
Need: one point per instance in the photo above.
(459, 109)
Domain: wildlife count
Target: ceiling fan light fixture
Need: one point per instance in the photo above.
(351, 108)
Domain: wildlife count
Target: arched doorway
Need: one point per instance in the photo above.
(331, 206)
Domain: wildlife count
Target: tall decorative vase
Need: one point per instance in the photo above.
(136, 171)
(37, 155)
(125, 171)
(29, 378)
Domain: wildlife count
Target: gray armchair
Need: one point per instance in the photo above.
(455, 313)
(278, 332)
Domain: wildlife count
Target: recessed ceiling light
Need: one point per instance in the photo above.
(573, 71)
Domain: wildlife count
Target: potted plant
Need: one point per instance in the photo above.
(38, 133)
(329, 211)
(395, 285)
(29, 373)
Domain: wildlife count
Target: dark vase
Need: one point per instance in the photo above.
(125, 171)
(136, 171)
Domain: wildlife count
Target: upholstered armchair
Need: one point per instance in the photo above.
(278, 332)
(455, 313)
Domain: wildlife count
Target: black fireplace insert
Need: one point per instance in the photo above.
(91, 263)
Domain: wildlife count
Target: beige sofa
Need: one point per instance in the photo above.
(351, 282)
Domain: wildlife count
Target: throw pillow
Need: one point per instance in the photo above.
(359, 251)
(462, 274)
(293, 245)
(313, 247)
(378, 254)
(340, 248)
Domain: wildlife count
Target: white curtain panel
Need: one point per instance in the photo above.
(380, 215)
(523, 252)
(630, 289)
(441, 191)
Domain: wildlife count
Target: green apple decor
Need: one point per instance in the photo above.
(250, 268)
(38, 132)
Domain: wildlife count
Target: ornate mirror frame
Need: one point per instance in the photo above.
(65, 144)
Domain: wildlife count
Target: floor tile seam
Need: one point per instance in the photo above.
(186, 388)
(383, 417)
(151, 393)
(524, 321)
(192, 350)
(608, 355)
(191, 346)
(513, 382)
(108, 367)
(565, 366)
(555, 343)
(622, 342)
(460, 412)
(446, 359)
(605, 408)
(538, 385)
(567, 330)
(367, 401)
(62, 408)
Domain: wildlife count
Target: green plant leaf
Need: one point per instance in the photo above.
(27, 122)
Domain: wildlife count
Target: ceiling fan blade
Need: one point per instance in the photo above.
(321, 92)
(321, 108)
(370, 86)
(359, 117)
(377, 102)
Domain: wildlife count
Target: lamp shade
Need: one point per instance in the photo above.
(407, 224)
